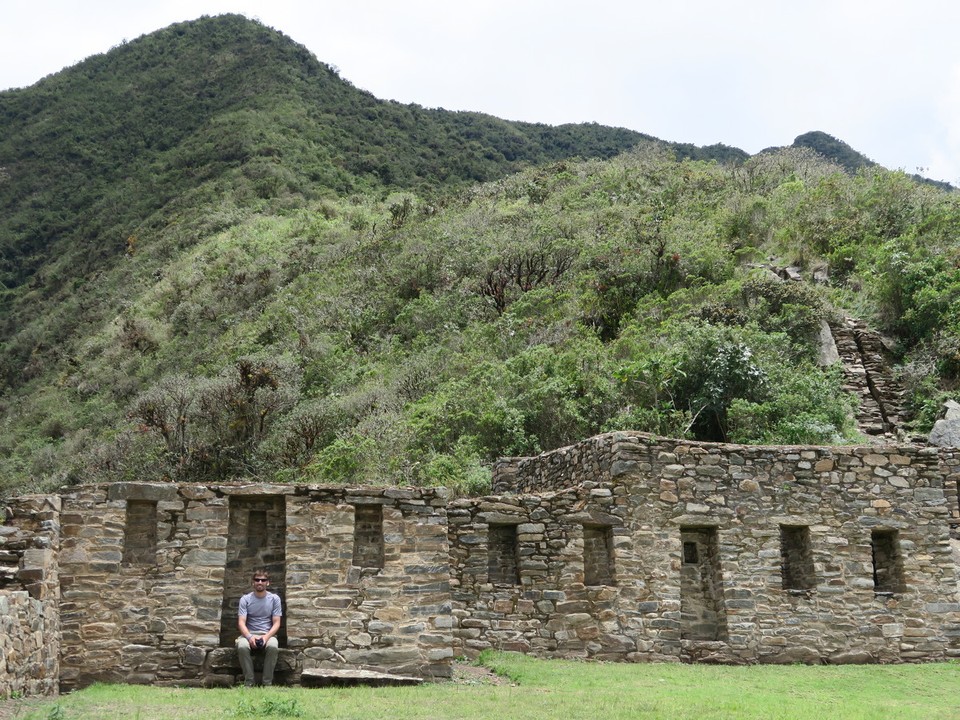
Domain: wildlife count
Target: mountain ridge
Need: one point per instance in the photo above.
(116, 142)
(93, 142)
(219, 259)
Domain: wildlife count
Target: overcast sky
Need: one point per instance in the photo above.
(881, 75)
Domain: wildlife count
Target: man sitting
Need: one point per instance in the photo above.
(259, 621)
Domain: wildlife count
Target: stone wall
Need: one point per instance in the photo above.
(950, 471)
(29, 597)
(167, 614)
(596, 457)
(395, 617)
(545, 607)
(849, 502)
(622, 547)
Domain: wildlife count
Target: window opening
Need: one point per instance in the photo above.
(256, 530)
(256, 538)
(598, 565)
(887, 562)
(140, 533)
(702, 611)
(796, 558)
(368, 536)
(502, 566)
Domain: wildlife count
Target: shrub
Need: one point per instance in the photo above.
(311, 425)
(338, 462)
(461, 471)
(715, 368)
(215, 426)
(731, 384)
(806, 406)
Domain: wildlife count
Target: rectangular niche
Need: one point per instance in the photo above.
(368, 536)
(796, 558)
(598, 564)
(502, 566)
(702, 611)
(887, 561)
(140, 533)
(256, 538)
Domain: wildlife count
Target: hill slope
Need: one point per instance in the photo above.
(218, 111)
(222, 260)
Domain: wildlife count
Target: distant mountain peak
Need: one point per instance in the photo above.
(834, 150)
(845, 156)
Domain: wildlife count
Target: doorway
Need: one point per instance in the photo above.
(702, 612)
(256, 538)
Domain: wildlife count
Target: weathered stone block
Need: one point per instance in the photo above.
(155, 492)
(193, 655)
(213, 680)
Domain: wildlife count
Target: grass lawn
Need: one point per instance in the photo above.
(559, 689)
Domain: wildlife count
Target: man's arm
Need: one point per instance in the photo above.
(274, 629)
(242, 623)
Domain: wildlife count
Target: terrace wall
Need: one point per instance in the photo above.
(845, 500)
(622, 547)
(29, 597)
(168, 615)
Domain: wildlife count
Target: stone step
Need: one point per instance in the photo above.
(867, 375)
(349, 677)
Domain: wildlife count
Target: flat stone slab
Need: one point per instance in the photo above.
(327, 677)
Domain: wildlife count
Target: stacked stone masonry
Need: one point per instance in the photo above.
(744, 497)
(29, 597)
(868, 376)
(171, 619)
(623, 547)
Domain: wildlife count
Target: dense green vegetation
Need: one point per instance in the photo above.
(187, 125)
(221, 260)
(559, 688)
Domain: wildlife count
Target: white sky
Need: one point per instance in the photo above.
(881, 75)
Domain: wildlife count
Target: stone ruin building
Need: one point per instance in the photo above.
(623, 547)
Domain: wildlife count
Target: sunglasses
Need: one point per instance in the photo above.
(261, 580)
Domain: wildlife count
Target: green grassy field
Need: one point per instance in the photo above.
(559, 689)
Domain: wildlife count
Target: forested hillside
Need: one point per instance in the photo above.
(191, 123)
(220, 259)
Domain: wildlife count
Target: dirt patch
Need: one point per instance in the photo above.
(466, 674)
(20, 707)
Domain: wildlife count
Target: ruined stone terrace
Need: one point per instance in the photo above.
(623, 547)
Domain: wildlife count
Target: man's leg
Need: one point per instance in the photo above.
(271, 651)
(246, 662)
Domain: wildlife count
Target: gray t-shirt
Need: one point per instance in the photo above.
(259, 611)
